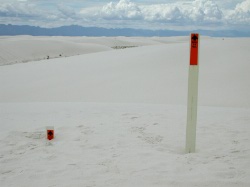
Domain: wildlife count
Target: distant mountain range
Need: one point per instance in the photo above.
(75, 30)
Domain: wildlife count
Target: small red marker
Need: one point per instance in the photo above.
(50, 133)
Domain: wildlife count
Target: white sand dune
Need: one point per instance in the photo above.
(150, 74)
(120, 115)
(23, 49)
(27, 48)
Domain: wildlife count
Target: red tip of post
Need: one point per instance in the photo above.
(194, 49)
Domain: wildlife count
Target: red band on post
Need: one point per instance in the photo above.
(194, 47)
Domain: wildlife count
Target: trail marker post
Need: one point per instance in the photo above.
(192, 93)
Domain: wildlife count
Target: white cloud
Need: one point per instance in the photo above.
(18, 10)
(208, 9)
(243, 7)
(33, 14)
(127, 13)
(162, 12)
(197, 11)
(66, 11)
(124, 9)
(241, 13)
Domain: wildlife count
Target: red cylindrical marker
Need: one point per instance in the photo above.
(50, 133)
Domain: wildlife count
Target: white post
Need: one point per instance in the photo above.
(192, 94)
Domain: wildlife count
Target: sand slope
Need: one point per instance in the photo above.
(120, 115)
(21, 49)
(148, 74)
(25, 49)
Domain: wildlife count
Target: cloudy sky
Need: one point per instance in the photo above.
(145, 14)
